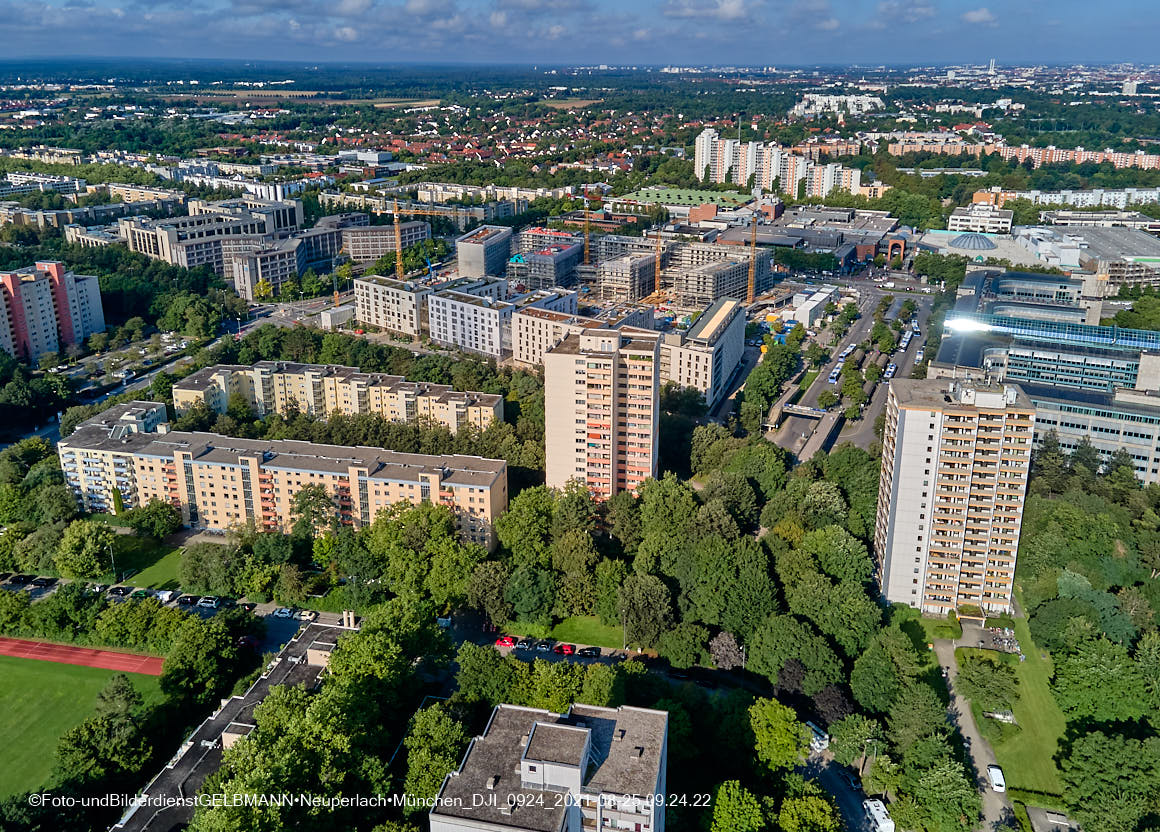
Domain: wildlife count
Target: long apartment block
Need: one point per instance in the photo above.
(706, 356)
(601, 402)
(322, 389)
(127, 456)
(955, 462)
(483, 324)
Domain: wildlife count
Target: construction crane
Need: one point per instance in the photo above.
(752, 286)
(411, 212)
(587, 215)
(657, 264)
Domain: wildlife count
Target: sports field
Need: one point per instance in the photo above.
(39, 702)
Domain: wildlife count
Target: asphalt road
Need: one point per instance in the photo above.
(997, 811)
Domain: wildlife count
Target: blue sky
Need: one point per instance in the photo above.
(770, 32)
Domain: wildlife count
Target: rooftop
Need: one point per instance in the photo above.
(687, 196)
(949, 396)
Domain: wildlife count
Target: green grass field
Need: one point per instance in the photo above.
(154, 564)
(39, 702)
(579, 629)
(808, 379)
(1027, 754)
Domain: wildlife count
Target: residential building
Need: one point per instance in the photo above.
(718, 159)
(601, 403)
(981, 217)
(821, 180)
(368, 243)
(483, 324)
(955, 462)
(45, 309)
(547, 267)
(532, 770)
(393, 305)
(322, 389)
(535, 331)
(484, 251)
(125, 457)
(1092, 198)
(19, 183)
(705, 357)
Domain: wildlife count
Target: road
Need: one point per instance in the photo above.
(997, 811)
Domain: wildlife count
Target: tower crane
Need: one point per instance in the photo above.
(752, 285)
(411, 212)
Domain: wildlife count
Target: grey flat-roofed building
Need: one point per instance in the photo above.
(484, 251)
(539, 771)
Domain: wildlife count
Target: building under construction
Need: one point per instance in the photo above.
(546, 268)
(700, 274)
(626, 279)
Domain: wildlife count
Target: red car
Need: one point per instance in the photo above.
(564, 649)
(505, 641)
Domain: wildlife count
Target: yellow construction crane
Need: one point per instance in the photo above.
(411, 212)
(657, 264)
(587, 214)
(752, 286)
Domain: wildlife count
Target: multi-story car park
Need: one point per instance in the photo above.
(128, 456)
(322, 389)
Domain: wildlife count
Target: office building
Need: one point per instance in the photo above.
(393, 305)
(483, 324)
(128, 456)
(981, 217)
(955, 461)
(601, 403)
(705, 357)
(484, 251)
(532, 770)
(322, 389)
(368, 243)
(45, 309)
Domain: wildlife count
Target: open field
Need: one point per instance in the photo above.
(570, 103)
(578, 629)
(154, 565)
(39, 702)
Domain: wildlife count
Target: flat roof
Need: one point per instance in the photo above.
(708, 326)
(687, 196)
(936, 394)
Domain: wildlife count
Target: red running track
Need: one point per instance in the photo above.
(84, 656)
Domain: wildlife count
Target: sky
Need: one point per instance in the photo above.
(686, 32)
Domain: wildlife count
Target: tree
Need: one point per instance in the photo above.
(195, 670)
(312, 508)
(55, 504)
(530, 592)
(851, 736)
(435, 743)
(736, 809)
(485, 675)
(948, 798)
(486, 591)
(808, 813)
(84, 550)
(781, 740)
(916, 715)
(684, 644)
(263, 290)
(827, 399)
(610, 575)
(644, 609)
(156, 519)
(525, 528)
(991, 684)
(1098, 680)
(725, 651)
(1110, 780)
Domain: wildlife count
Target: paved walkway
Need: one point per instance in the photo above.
(997, 809)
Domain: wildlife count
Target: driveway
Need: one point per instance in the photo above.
(997, 809)
(826, 771)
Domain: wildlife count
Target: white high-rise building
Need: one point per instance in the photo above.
(602, 407)
(955, 463)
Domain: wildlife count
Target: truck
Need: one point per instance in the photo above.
(888, 285)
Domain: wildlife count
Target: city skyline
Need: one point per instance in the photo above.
(825, 32)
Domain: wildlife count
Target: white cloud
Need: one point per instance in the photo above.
(714, 9)
(346, 34)
(906, 9)
(828, 25)
(979, 16)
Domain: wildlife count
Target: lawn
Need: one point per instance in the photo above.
(39, 702)
(808, 379)
(578, 629)
(1026, 755)
(152, 564)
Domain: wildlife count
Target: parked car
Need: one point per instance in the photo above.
(525, 644)
(282, 612)
(209, 602)
(995, 775)
(188, 600)
(544, 646)
(140, 594)
(21, 580)
(43, 581)
(505, 641)
(564, 649)
(588, 652)
(120, 591)
(307, 615)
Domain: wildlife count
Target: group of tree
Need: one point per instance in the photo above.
(1088, 564)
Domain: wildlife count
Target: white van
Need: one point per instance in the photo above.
(877, 817)
(995, 775)
(819, 739)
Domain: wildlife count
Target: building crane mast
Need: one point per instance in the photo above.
(587, 214)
